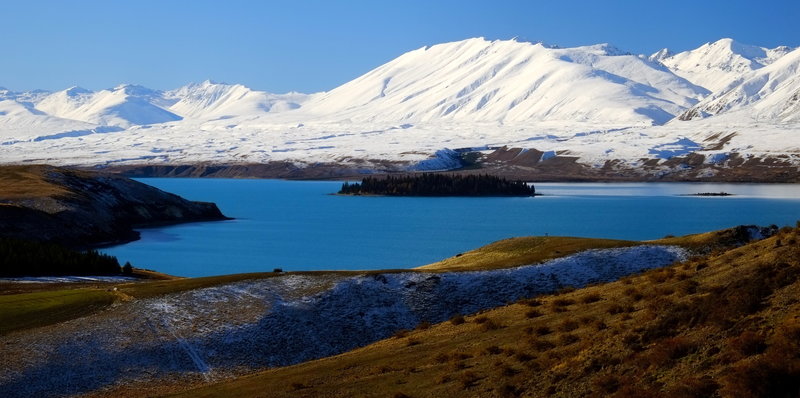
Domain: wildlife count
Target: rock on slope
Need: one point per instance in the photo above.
(82, 208)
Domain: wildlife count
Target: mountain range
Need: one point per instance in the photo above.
(594, 103)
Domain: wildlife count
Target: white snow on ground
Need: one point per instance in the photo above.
(593, 102)
(234, 329)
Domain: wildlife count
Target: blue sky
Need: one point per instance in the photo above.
(308, 46)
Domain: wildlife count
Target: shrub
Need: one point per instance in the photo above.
(633, 293)
(400, 334)
(493, 350)
(542, 331)
(441, 357)
(746, 344)
(605, 384)
(523, 357)
(533, 314)
(531, 302)
(693, 387)
(568, 325)
(567, 339)
(562, 302)
(508, 371)
(540, 345)
(591, 298)
(412, 342)
(423, 325)
(490, 324)
(600, 325)
(468, 379)
(668, 350)
(457, 319)
(761, 377)
(508, 390)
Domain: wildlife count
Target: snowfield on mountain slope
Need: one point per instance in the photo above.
(769, 93)
(234, 329)
(716, 65)
(596, 103)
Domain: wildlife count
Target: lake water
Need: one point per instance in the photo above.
(297, 225)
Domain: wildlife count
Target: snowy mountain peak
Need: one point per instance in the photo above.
(507, 81)
(769, 93)
(208, 100)
(75, 91)
(660, 55)
(715, 65)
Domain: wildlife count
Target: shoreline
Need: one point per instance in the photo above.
(552, 170)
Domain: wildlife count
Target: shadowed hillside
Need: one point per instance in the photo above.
(723, 325)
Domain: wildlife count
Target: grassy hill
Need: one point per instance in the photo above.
(726, 324)
(85, 208)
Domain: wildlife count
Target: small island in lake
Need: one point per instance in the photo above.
(429, 184)
(710, 194)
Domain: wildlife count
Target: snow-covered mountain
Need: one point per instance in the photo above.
(768, 93)
(122, 106)
(716, 65)
(596, 104)
(508, 81)
(209, 100)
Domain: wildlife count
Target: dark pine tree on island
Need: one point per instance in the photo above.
(438, 185)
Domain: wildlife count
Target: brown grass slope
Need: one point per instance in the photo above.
(722, 325)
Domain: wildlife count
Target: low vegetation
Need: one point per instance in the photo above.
(723, 324)
(428, 184)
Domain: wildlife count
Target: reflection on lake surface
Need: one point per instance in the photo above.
(298, 225)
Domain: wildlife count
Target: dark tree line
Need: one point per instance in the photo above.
(438, 185)
(29, 258)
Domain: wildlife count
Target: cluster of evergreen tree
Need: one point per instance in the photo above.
(428, 184)
(29, 258)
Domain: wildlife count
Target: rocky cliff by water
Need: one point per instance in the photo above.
(83, 208)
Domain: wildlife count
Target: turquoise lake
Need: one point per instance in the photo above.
(298, 225)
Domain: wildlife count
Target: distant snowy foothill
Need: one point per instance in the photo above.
(596, 103)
